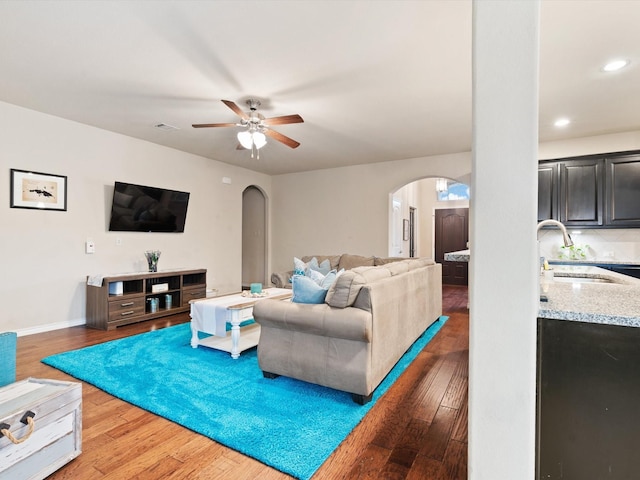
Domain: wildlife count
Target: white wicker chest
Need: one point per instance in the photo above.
(42, 427)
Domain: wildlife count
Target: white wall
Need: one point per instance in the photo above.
(346, 210)
(408, 196)
(43, 261)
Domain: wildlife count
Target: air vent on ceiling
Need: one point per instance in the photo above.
(164, 126)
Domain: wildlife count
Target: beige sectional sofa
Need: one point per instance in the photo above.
(370, 317)
(338, 262)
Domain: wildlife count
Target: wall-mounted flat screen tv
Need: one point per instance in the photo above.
(137, 208)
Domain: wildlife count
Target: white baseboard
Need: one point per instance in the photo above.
(48, 327)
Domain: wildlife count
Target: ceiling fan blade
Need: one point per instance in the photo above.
(289, 142)
(208, 125)
(283, 120)
(236, 109)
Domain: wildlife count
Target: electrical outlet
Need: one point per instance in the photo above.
(118, 241)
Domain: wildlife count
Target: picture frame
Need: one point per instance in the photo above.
(405, 229)
(37, 190)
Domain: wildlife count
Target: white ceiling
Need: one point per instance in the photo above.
(374, 81)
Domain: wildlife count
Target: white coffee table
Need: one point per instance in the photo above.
(211, 315)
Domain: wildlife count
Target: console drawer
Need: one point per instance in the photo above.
(194, 293)
(126, 307)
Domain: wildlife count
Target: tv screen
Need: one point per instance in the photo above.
(137, 208)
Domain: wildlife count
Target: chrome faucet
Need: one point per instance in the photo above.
(565, 235)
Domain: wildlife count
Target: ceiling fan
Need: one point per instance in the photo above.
(256, 126)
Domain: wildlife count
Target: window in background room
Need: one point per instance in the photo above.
(453, 191)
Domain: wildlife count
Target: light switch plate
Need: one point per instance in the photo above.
(90, 246)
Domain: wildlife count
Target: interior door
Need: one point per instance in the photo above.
(451, 235)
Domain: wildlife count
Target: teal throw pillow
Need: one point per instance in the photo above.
(299, 267)
(305, 290)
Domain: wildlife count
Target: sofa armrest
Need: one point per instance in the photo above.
(320, 319)
(281, 279)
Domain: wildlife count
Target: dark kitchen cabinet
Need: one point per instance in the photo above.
(588, 426)
(597, 191)
(581, 192)
(622, 191)
(547, 191)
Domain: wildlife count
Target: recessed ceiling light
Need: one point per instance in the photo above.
(562, 122)
(615, 65)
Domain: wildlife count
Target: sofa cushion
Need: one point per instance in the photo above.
(306, 290)
(325, 281)
(324, 267)
(396, 268)
(334, 260)
(299, 266)
(349, 262)
(345, 289)
(384, 261)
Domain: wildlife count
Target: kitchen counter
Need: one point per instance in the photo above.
(593, 262)
(459, 256)
(614, 303)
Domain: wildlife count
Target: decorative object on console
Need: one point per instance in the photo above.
(42, 191)
(159, 287)
(152, 259)
(248, 294)
(256, 288)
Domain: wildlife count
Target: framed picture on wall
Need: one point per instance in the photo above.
(43, 191)
(405, 229)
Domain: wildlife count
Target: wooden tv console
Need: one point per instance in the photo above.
(132, 302)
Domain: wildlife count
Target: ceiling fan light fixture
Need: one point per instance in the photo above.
(249, 139)
(259, 140)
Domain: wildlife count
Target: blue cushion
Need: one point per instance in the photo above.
(328, 280)
(323, 268)
(305, 290)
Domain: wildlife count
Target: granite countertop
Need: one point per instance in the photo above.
(614, 303)
(560, 261)
(459, 256)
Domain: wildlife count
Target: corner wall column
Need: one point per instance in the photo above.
(503, 265)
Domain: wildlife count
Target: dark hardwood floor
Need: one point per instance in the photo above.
(418, 430)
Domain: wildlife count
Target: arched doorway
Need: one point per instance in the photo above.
(421, 206)
(254, 237)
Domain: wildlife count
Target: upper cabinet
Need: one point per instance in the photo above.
(595, 191)
(623, 191)
(547, 191)
(581, 192)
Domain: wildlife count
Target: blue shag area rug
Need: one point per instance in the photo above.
(288, 424)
